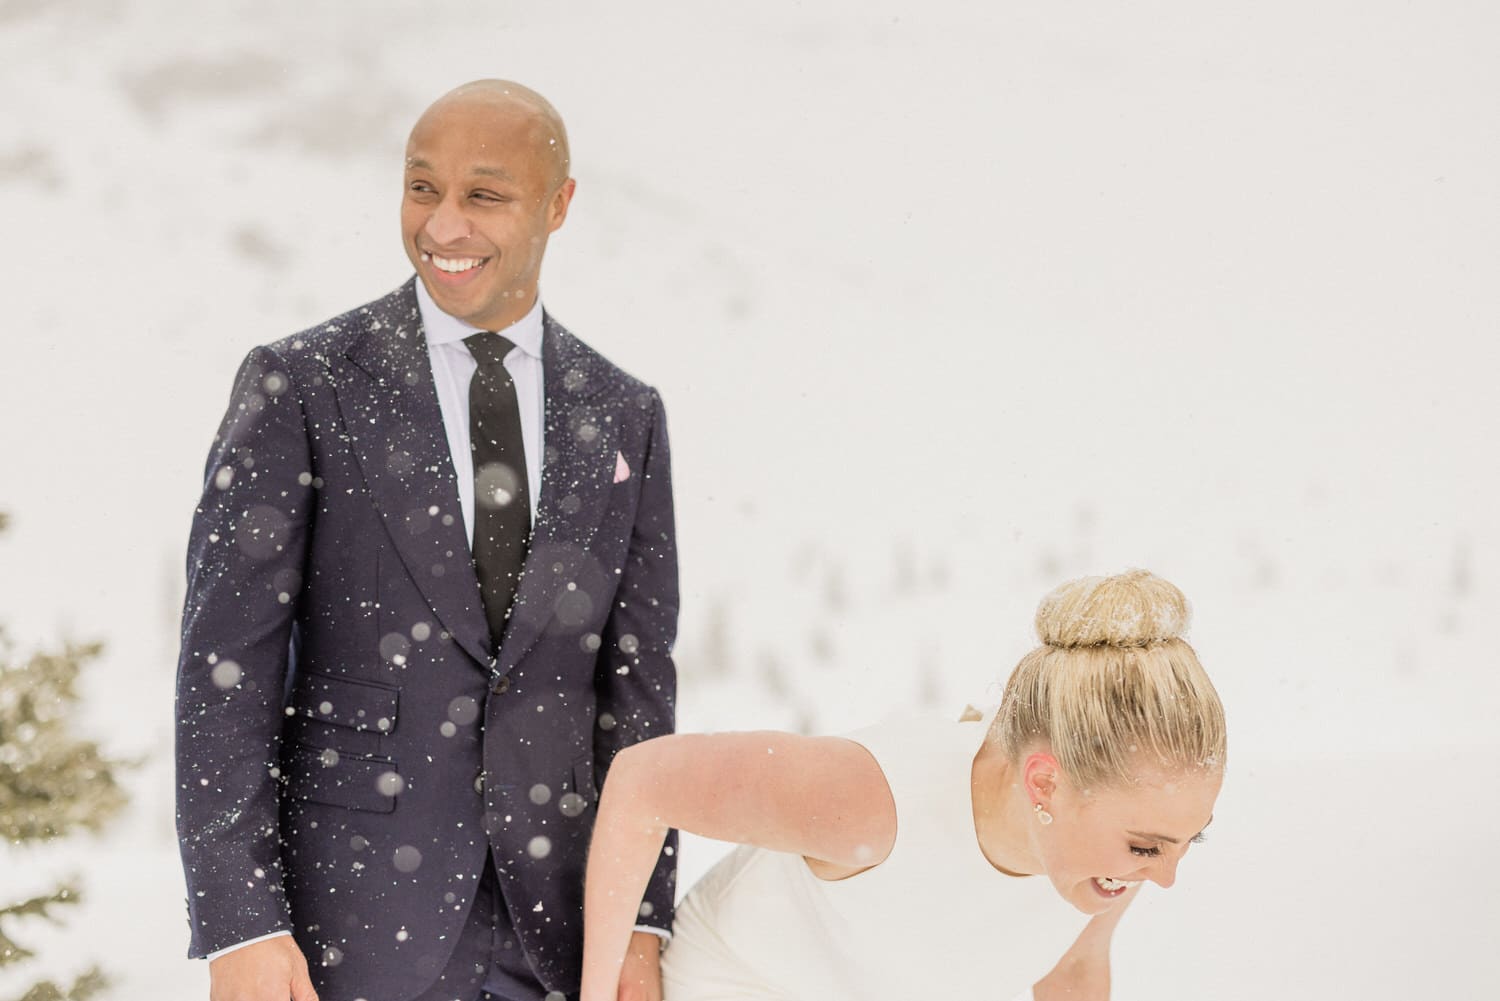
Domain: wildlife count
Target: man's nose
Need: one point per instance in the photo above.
(447, 224)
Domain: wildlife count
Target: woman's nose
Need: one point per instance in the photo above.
(1164, 871)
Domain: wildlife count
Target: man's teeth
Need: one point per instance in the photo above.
(453, 265)
(1109, 885)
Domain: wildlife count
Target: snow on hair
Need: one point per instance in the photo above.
(1135, 608)
(1114, 686)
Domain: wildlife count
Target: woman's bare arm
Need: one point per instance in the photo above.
(821, 797)
(1082, 974)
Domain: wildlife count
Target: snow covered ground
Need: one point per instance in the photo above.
(948, 303)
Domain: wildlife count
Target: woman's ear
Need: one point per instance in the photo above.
(1039, 774)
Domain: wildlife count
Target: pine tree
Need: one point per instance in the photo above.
(52, 784)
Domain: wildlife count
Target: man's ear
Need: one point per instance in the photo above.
(1039, 774)
(561, 199)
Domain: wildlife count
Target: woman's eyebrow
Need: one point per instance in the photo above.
(1162, 837)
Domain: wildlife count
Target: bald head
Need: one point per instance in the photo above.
(509, 106)
(486, 183)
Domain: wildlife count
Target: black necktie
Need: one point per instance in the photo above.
(502, 498)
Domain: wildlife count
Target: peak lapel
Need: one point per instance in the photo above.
(390, 408)
(578, 467)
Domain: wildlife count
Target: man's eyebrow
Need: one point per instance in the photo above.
(1162, 837)
(417, 163)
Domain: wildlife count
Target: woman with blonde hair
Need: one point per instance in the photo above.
(894, 862)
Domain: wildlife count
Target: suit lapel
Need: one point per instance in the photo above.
(390, 409)
(578, 465)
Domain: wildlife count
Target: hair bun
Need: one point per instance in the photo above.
(1132, 609)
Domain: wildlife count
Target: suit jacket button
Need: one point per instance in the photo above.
(503, 685)
(479, 783)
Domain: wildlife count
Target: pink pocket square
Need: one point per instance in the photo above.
(622, 470)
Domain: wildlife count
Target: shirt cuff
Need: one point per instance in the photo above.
(249, 941)
(660, 933)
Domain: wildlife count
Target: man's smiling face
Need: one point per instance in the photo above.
(485, 185)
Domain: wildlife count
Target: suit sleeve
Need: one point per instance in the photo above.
(635, 678)
(244, 571)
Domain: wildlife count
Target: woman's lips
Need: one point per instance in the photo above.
(1107, 886)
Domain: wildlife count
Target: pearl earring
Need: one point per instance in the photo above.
(1042, 815)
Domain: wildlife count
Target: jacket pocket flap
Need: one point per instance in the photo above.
(345, 780)
(360, 705)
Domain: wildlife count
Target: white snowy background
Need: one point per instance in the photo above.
(948, 301)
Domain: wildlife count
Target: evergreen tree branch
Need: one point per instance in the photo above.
(88, 984)
(52, 783)
(12, 951)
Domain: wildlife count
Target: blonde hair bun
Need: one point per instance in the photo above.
(1132, 609)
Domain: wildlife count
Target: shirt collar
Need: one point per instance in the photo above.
(443, 328)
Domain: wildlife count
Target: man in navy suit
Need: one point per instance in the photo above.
(432, 589)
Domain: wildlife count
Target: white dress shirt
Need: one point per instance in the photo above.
(453, 368)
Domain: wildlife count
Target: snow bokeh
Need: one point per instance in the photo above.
(946, 304)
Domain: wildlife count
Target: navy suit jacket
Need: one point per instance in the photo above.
(350, 744)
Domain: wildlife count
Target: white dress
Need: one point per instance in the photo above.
(934, 920)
